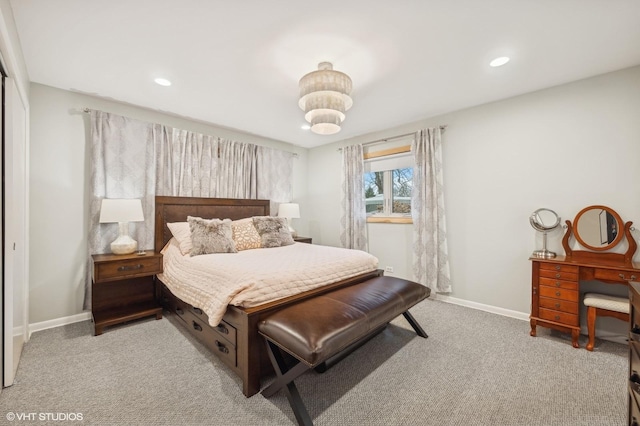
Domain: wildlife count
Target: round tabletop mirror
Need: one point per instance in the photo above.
(544, 220)
(598, 228)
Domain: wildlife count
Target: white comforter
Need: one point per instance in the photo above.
(253, 277)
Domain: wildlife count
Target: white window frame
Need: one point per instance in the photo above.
(387, 164)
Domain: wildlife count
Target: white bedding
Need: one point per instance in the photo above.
(253, 277)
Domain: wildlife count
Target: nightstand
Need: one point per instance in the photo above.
(302, 240)
(124, 288)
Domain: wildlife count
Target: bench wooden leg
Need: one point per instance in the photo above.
(412, 321)
(284, 380)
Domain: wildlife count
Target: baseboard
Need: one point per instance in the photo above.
(58, 322)
(481, 307)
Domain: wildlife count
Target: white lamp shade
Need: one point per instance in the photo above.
(121, 210)
(289, 210)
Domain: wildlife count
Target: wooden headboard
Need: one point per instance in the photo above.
(176, 209)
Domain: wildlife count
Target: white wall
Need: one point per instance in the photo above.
(59, 188)
(563, 148)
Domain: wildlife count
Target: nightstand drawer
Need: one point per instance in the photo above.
(126, 267)
(559, 268)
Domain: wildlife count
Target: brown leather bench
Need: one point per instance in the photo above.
(323, 329)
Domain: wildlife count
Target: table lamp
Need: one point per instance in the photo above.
(122, 211)
(289, 211)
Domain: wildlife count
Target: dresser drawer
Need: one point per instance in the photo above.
(126, 268)
(614, 275)
(559, 268)
(558, 293)
(213, 339)
(559, 317)
(552, 282)
(559, 275)
(559, 305)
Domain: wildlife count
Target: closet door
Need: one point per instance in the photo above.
(15, 230)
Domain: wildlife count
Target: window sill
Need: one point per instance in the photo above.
(387, 219)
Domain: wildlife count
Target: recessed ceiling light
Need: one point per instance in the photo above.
(162, 81)
(498, 62)
(305, 127)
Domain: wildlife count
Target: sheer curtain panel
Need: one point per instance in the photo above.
(119, 169)
(353, 223)
(430, 254)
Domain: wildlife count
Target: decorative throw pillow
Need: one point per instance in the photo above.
(210, 236)
(245, 235)
(274, 231)
(182, 234)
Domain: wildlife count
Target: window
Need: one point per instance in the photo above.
(388, 182)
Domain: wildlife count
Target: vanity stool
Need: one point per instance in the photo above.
(603, 305)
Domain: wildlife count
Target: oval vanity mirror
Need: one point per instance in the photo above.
(598, 228)
(544, 220)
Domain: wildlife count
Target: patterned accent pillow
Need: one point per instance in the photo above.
(274, 231)
(182, 234)
(210, 236)
(245, 235)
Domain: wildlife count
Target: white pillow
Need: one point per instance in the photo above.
(182, 233)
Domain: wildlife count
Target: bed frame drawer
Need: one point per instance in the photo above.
(224, 329)
(213, 339)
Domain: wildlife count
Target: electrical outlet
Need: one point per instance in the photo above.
(389, 269)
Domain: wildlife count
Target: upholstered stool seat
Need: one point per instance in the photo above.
(603, 305)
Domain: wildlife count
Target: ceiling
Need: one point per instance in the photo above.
(236, 64)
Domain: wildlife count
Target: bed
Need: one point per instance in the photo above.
(234, 338)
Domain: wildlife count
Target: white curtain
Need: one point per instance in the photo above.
(430, 254)
(237, 171)
(186, 162)
(136, 159)
(353, 223)
(122, 166)
(275, 176)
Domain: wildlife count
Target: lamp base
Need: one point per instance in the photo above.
(124, 244)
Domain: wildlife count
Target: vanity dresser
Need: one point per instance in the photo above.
(555, 281)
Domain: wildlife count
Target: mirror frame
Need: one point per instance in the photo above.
(609, 210)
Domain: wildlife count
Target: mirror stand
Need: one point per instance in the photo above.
(544, 253)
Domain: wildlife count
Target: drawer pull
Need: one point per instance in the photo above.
(222, 348)
(557, 306)
(197, 326)
(131, 268)
(558, 275)
(222, 329)
(632, 278)
(197, 311)
(179, 311)
(557, 267)
(557, 317)
(557, 283)
(558, 294)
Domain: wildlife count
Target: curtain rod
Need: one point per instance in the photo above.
(378, 141)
